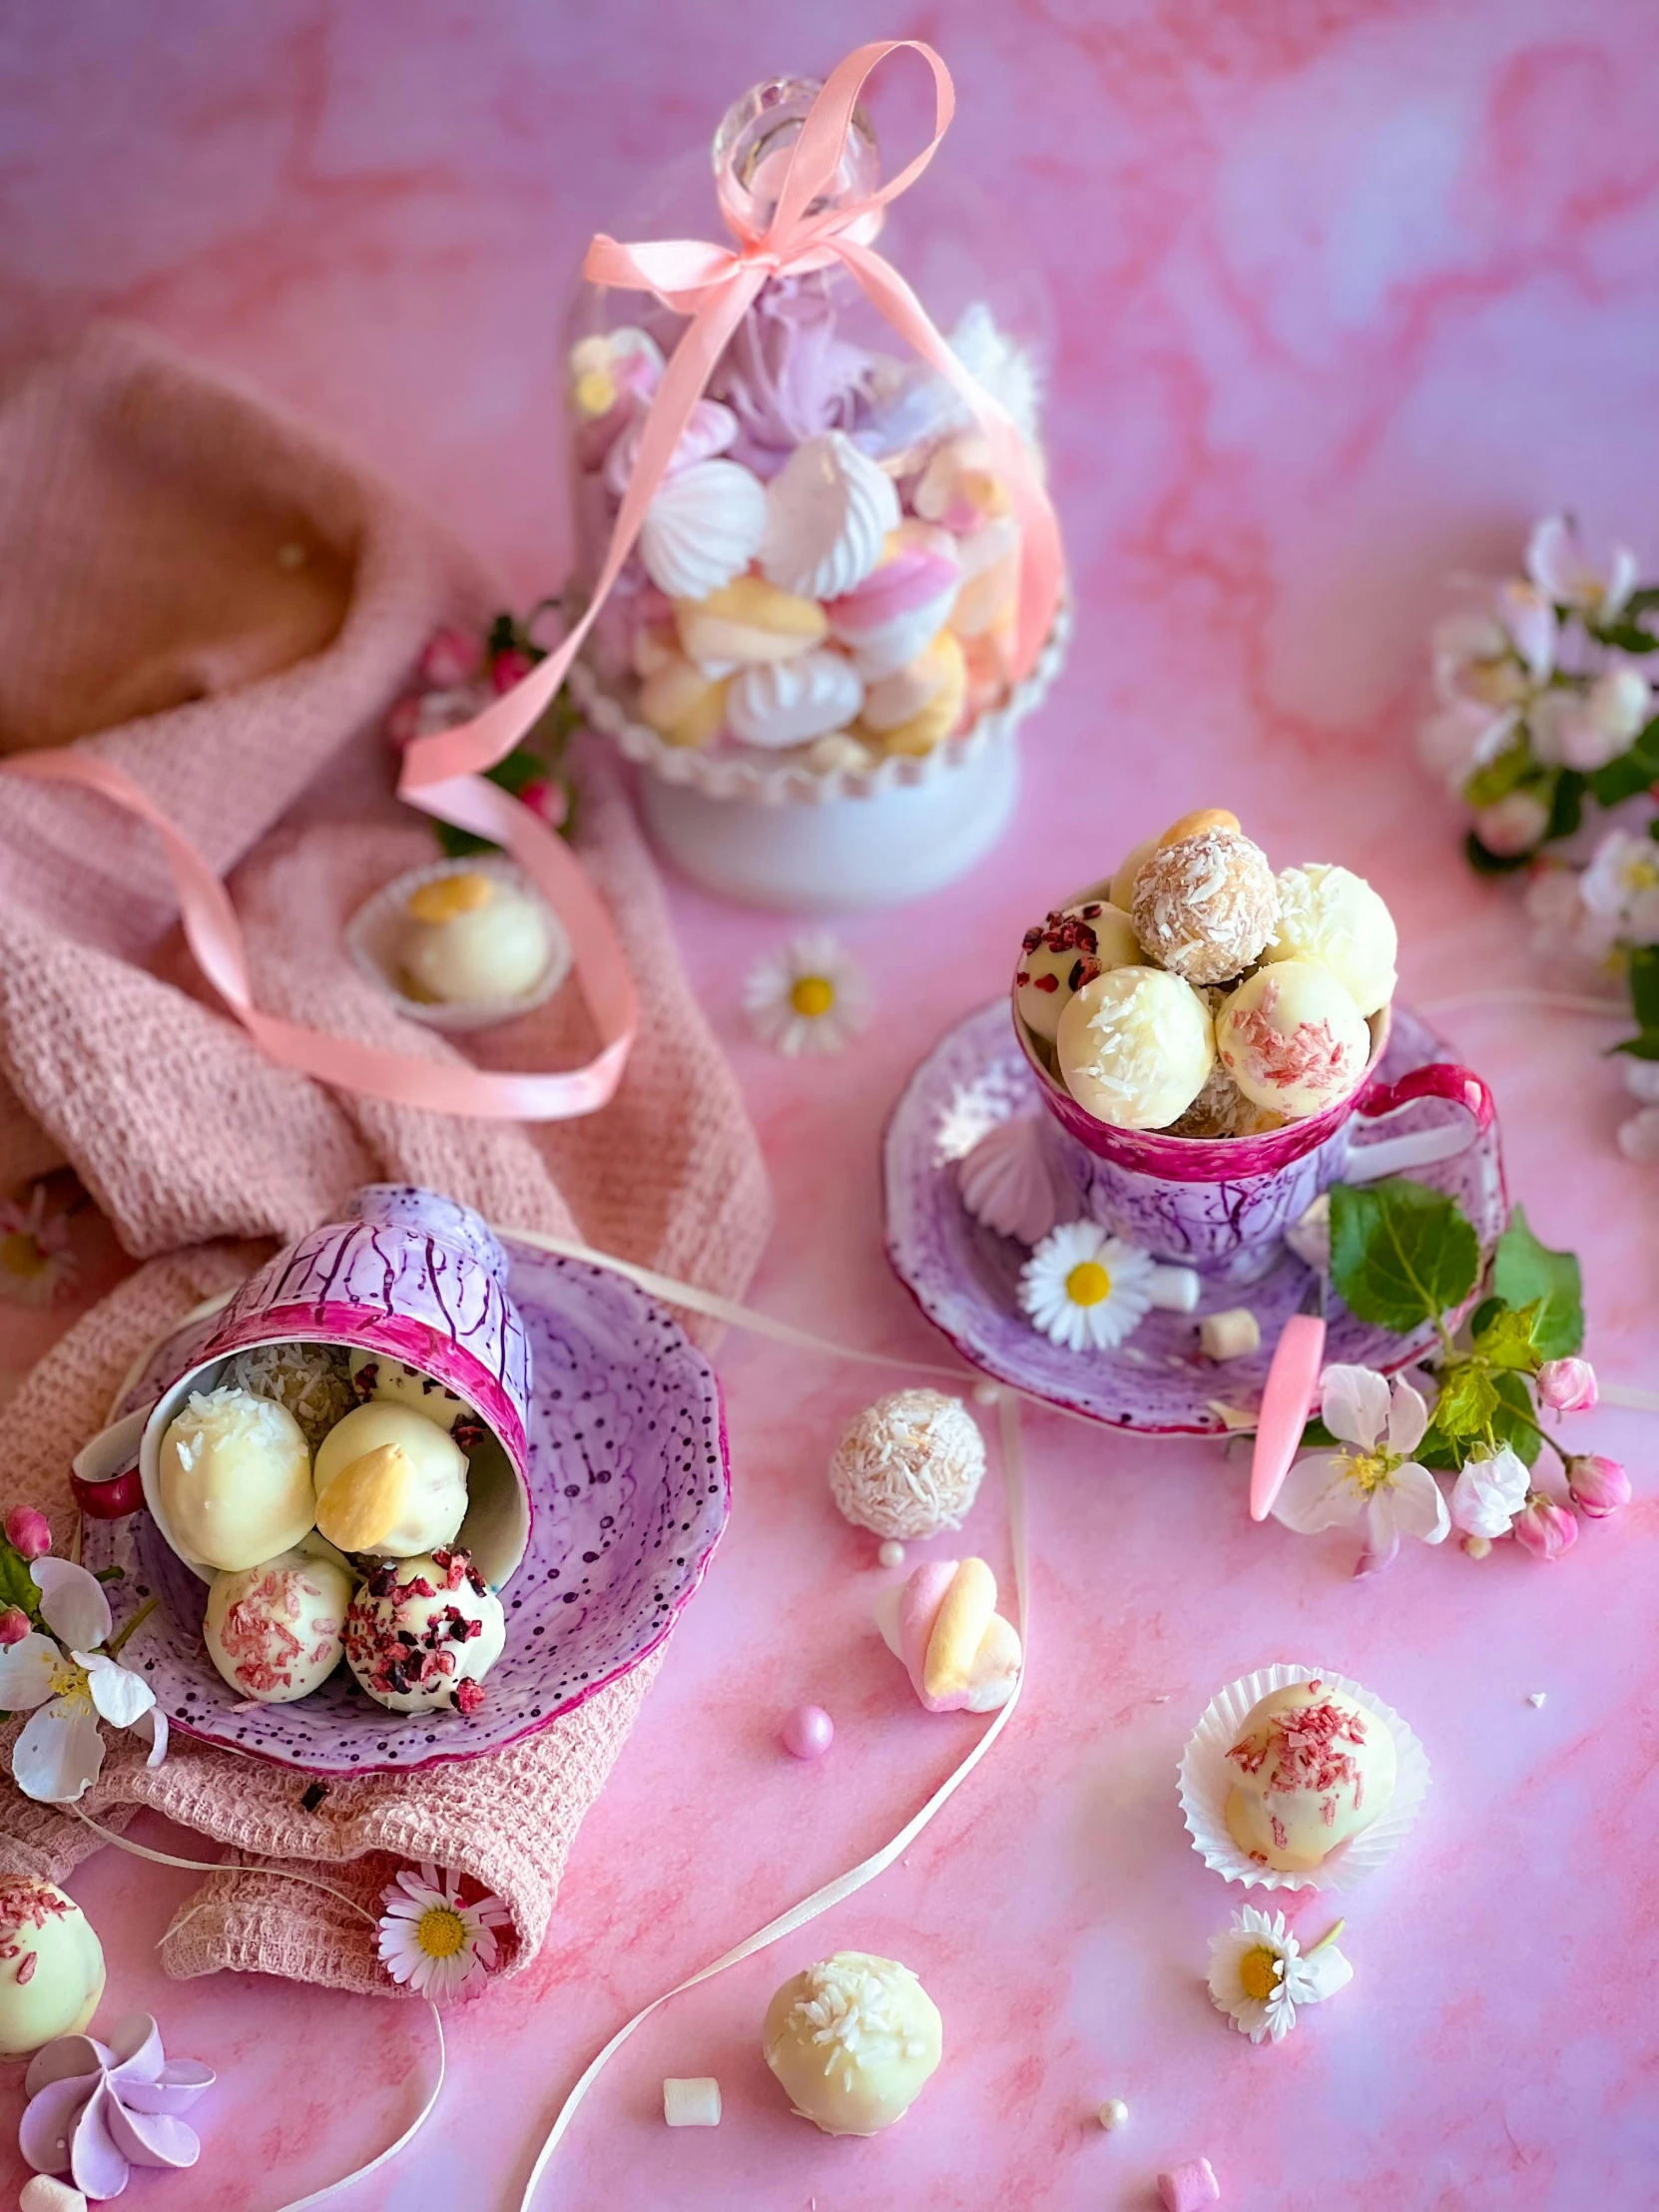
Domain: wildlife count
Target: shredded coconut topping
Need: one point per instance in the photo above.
(312, 1380)
(1206, 906)
(854, 2009)
(911, 1465)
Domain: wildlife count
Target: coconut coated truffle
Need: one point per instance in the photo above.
(853, 2039)
(235, 1476)
(1135, 1047)
(1206, 905)
(909, 1466)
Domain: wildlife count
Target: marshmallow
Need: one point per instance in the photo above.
(911, 710)
(1187, 2188)
(961, 1654)
(1232, 1334)
(899, 609)
(691, 2103)
(684, 707)
(744, 622)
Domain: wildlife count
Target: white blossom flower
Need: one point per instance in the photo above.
(1259, 1974)
(808, 998)
(1488, 1492)
(1638, 1138)
(1587, 729)
(1084, 1289)
(1561, 568)
(1512, 824)
(434, 1942)
(1373, 1479)
(1621, 885)
(60, 1753)
(35, 1258)
(1561, 923)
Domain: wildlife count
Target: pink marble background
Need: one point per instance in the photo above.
(1349, 290)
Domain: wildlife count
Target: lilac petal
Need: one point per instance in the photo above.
(154, 2138)
(181, 2083)
(96, 2165)
(63, 2060)
(135, 2046)
(44, 2132)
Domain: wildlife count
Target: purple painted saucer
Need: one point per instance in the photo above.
(964, 1275)
(629, 1477)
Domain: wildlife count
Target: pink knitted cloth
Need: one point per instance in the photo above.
(201, 590)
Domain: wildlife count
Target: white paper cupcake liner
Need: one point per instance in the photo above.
(1206, 1780)
(373, 933)
(756, 776)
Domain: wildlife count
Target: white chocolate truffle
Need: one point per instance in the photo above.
(1120, 889)
(276, 1632)
(471, 939)
(1314, 1769)
(51, 1965)
(1331, 916)
(1065, 950)
(389, 1482)
(421, 1634)
(1292, 1038)
(380, 1380)
(1206, 905)
(854, 2040)
(1135, 1047)
(312, 1380)
(909, 1466)
(236, 1479)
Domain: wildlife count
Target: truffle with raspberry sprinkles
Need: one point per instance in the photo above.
(1207, 905)
(423, 1633)
(1062, 952)
(1313, 1770)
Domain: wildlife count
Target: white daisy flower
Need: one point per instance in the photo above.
(35, 1258)
(1084, 1289)
(1258, 1973)
(1373, 1478)
(808, 998)
(429, 1940)
(67, 1692)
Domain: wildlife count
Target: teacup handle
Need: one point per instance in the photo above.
(105, 1473)
(1440, 1079)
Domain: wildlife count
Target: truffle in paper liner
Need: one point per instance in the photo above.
(373, 938)
(1205, 1778)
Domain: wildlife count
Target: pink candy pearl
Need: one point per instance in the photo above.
(807, 1733)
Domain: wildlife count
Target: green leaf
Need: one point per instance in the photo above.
(1466, 1403)
(1437, 1451)
(1492, 864)
(1644, 1047)
(1317, 1437)
(1625, 637)
(1525, 1272)
(1504, 1339)
(16, 1585)
(1632, 771)
(1500, 774)
(1566, 807)
(1513, 1421)
(1644, 984)
(1400, 1254)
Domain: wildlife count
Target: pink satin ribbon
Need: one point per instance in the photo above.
(443, 774)
(715, 286)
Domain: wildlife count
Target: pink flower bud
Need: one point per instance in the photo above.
(1598, 1487)
(404, 723)
(1567, 1385)
(545, 799)
(450, 658)
(27, 1533)
(510, 668)
(14, 1625)
(1544, 1528)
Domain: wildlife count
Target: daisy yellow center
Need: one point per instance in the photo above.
(1258, 1973)
(20, 1254)
(1373, 1470)
(812, 996)
(1088, 1284)
(72, 1682)
(441, 1932)
(1643, 875)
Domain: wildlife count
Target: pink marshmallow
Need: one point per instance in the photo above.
(1187, 2188)
(918, 1608)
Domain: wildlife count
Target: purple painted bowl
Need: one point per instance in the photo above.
(625, 1445)
(413, 1276)
(1223, 1205)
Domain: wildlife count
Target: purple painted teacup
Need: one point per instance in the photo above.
(1222, 1204)
(411, 1275)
